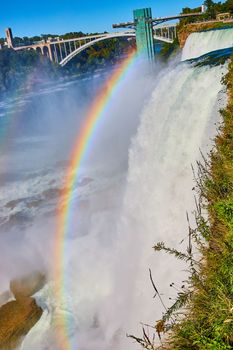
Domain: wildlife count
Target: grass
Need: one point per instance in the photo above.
(202, 316)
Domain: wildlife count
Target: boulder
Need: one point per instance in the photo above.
(16, 320)
(19, 316)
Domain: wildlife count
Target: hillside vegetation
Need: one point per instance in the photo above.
(19, 69)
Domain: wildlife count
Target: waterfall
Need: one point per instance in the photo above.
(111, 280)
(178, 120)
(201, 43)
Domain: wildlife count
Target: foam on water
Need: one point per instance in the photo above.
(39, 193)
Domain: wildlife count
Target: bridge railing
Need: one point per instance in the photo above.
(166, 32)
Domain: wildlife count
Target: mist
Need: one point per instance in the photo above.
(135, 190)
(40, 137)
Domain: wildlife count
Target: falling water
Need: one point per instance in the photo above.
(199, 44)
(111, 291)
(178, 121)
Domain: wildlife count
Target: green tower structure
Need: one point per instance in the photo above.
(144, 32)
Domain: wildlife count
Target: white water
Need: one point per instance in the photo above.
(109, 291)
(199, 44)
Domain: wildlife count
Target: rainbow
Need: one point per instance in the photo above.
(82, 145)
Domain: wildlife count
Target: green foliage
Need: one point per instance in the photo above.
(187, 20)
(15, 67)
(99, 55)
(211, 9)
(179, 255)
(226, 6)
(168, 50)
(224, 212)
(181, 300)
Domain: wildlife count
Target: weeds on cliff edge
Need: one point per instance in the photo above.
(202, 316)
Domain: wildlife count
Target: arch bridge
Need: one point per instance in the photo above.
(62, 51)
(145, 28)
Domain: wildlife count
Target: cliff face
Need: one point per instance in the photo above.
(185, 31)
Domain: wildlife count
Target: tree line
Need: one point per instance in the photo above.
(16, 65)
(212, 9)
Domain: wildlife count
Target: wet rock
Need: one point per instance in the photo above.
(19, 316)
(16, 320)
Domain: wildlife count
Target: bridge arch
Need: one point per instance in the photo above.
(93, 42)
(38, 49)
(45, 51)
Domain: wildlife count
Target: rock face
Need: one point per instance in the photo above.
(19, 316)
(16, 320)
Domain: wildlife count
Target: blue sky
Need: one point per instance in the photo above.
(27, 18)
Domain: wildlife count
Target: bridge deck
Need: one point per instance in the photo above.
(170, 18)
(63, 41)
(158, 19)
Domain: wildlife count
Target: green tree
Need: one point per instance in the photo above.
(15, 67)
(211, 10)
(228, 6)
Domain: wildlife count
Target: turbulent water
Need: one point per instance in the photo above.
(124, 209)
(199, 44)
